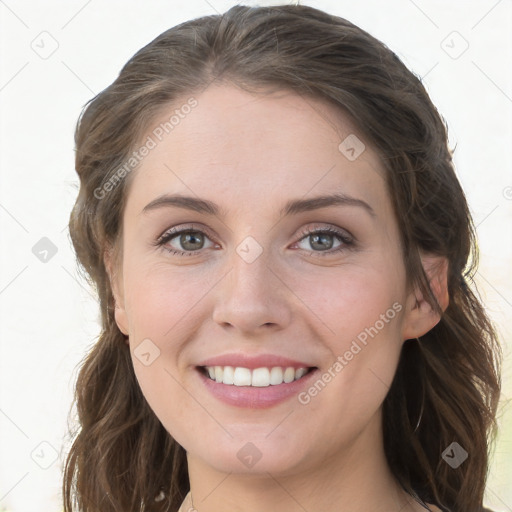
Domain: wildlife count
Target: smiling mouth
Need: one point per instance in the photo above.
(258, 377)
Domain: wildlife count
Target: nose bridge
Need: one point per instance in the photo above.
(251, 271)
(251, 278)
(251, 294)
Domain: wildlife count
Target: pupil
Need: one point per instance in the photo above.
(324, 238)
(190, 238)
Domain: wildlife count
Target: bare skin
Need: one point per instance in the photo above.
(250, 154)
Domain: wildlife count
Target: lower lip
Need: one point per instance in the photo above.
(256, 397)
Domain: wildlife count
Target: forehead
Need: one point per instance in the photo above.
(254, 150)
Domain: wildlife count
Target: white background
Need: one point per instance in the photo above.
(48, 315)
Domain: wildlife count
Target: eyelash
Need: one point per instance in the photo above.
(347, 240)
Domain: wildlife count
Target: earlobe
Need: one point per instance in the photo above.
(420, 316)
(121, 319)
(117, 291)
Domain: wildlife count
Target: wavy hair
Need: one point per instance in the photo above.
(447, 384)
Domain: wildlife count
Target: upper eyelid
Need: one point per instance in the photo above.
(170, 233)
(328, 228)
(187, 227)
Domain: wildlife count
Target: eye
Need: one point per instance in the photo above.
(326, 241)
(185, 241)
(190, 240)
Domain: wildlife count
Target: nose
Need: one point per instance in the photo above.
(252, 298)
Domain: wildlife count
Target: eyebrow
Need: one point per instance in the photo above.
(290, 208)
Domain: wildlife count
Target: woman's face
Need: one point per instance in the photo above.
(268, 276)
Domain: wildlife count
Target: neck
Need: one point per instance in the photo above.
(355, 479)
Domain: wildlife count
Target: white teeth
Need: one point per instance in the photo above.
(242, 376)
(276, 375)
(229, 375)
(300, 373)
(259, 377)
(289, 375)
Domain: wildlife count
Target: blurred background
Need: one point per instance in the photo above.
(56, 55)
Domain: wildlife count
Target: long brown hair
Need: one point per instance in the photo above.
(447, 385)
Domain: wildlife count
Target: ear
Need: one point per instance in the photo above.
(420, 317)
(117, 289)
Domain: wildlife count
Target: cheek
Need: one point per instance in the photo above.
(160, 300)
(361, 314)
(163, 309)
(353, 301)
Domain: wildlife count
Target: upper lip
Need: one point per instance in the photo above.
(254, 361)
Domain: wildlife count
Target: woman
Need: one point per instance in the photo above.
(270, 213)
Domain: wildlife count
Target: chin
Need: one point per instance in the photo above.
(252, 456)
